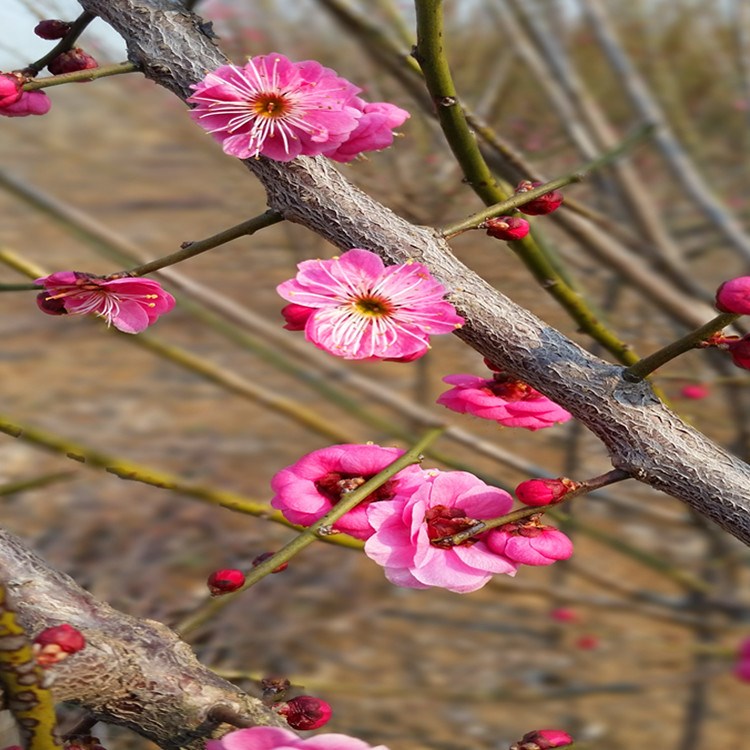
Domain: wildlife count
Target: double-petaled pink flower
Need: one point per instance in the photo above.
(130, 304)
(308, 489)
(355, 307)
(410, 539)
(276, 108)
(273, 738)
(510, 402)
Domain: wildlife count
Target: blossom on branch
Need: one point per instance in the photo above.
(530, 543)
(502, 398)
(15, 102)
(361, 309)
(270, 738)
(280, 109)
(410, 538)
(310, 488)
(130, 304)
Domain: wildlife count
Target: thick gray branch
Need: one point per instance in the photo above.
(642, 435)
(136, 673)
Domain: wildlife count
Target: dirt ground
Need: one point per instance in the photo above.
(408, 669)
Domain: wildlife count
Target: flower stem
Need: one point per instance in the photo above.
(81, 75)
(191, 249)
(588, 485)
(644, 367)
(19, 287)
(320, 529)
(63, 45)
(475, 220)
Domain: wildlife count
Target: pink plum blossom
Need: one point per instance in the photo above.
(130, 304)
(374, 130)
(276, 108)
(407, 539)
(309, 488)
(29, 103)
(362, 309)
(529, 543)
(509, 402)
(273, 738)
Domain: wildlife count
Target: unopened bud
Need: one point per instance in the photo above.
(507, 227)
(543, 739)
(305, 712)
(10, 89)
(733, 296)
(52, 29)
(71, 61)
(538, 492)
(225, 581)
(544, 204)
(54, 644)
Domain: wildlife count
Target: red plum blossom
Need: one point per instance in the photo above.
(543, 739)
(507, 227)
(10, 89)
(509, 402)
(362, 309)
(305, 491)
(271, 738)
(407, 539)
(305, 712)
(130, 304)
(544, 204)
(530, 543)
(71, 61)
(538, 492)
(29, 103)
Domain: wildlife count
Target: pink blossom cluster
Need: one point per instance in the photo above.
(355, 307)
(503, 399)
(407, 524)
(280, 109)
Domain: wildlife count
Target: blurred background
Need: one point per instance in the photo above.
(633, 639)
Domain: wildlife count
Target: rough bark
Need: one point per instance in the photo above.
(132, 672)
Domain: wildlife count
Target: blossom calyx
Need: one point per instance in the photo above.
(226, 581)
(506, 227)
(544, 204)
(539, 492)
(52, 28)
(71, 61)
(54, 644)
(733, 296)
(543, 739)
(305, 712)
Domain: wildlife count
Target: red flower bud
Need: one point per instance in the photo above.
(305, 712)
(587, 642)
(52, 29)
(564, 614)
(71, 61)
(733, 296)
(265, 556)
(739, 349)
(538, 492)
(543, 739)
(506, 227)
(225, 581)
(54, 644)
(544, 204)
